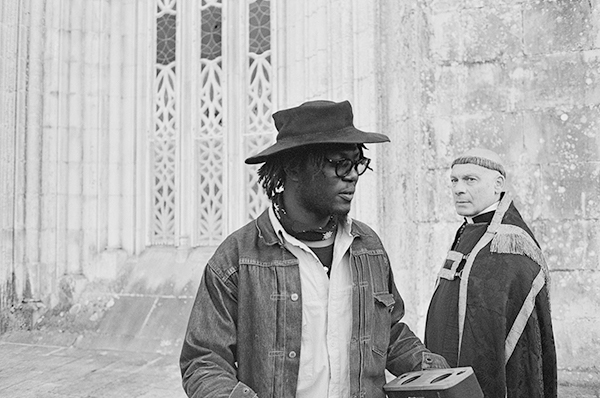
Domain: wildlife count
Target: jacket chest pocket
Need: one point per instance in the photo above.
(373, 269)
(372, 276)
(383, 305)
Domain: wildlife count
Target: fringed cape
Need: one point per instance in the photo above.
(491, 308)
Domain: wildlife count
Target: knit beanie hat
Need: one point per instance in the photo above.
(482, 157)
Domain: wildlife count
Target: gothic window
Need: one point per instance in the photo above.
(259, 96)
(163, 142)
(213, 126)
(209, 141)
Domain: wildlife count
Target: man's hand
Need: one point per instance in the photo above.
(433, 361)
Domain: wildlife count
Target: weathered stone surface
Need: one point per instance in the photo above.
(485, 89)
(166, 271)
(166, 325)
(524, 183)
(548, 81)
(440, 6)
(591, 60)
(447, 91)
(576, 321)
(107, 265)
(475, 34)
(446, 39)
(569, 244)
(573, 382)
(558, 26)
(501, 131)
(141, 324)
(434, 196)
(127, 316)
(571, 191)
(492, 32)
(563, 135)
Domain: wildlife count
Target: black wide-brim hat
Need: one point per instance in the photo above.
(315, 122)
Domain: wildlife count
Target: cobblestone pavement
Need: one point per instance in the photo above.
(36, 371)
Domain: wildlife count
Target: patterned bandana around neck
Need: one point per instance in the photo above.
(296, 229)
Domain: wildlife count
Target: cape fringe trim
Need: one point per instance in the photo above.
(511, 239)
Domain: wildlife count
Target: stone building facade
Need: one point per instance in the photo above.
(125, 123)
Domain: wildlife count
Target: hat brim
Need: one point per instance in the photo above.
(347, 135)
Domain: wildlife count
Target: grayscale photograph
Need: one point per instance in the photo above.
(300, 198)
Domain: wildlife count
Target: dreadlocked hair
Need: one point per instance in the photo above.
(272, 174)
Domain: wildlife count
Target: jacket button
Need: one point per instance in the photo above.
(294, 297)
(292, 354)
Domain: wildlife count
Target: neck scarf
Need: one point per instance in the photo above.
(297, 229)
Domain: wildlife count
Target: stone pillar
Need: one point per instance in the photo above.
(11, 281)
(408, 188)
(32, 168)
(75, 140)
(115, 125)
(130, 124)
(71, 106)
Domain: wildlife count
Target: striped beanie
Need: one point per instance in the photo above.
(481, 157)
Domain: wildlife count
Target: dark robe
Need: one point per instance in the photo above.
(506, 325)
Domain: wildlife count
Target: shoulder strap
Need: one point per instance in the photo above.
(464, 280)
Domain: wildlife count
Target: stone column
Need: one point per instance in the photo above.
(11, 281)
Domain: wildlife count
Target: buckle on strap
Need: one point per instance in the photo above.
(453, 260)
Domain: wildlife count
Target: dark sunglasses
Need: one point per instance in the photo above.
(343, 167)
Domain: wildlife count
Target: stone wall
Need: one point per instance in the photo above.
(518, 77)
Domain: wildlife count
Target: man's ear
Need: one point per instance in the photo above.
(292, 172)
(499, 184)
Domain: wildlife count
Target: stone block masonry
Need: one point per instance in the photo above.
(521, 78)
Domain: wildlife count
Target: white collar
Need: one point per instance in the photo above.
(492, 207)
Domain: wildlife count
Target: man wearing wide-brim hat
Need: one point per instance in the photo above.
(301, 302)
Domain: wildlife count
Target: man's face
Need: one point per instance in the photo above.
(474, 188)
(323, 193)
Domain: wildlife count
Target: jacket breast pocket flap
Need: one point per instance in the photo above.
(385, 299)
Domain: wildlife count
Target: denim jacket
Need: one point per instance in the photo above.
(244, 332)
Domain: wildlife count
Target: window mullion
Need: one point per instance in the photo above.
(235, 39)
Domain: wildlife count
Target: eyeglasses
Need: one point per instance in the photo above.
(343, 167)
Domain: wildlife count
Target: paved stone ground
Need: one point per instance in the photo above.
(36, 371)
(50, 371)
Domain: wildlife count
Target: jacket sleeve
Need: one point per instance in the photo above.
(406, 352)
(208, 356)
